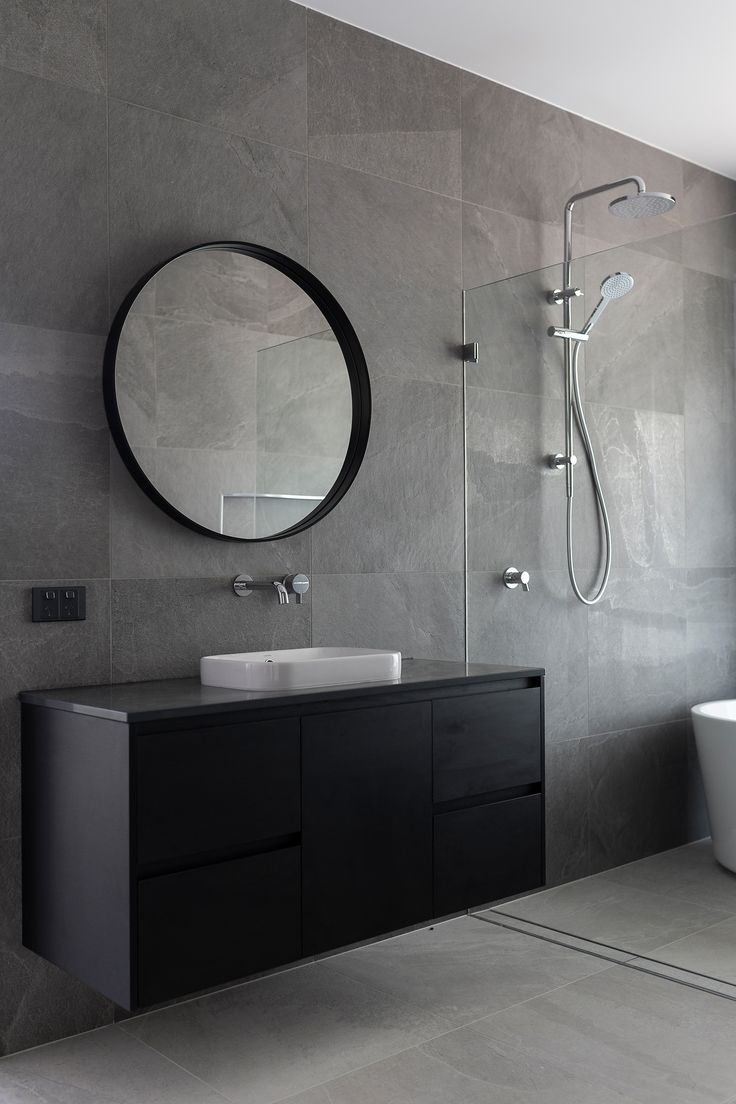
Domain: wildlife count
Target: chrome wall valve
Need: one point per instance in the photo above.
(512, 578)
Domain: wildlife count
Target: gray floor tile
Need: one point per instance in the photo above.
(480, 1075)
(619, 916)
(263, 1041)
(711, 952)
(464, 969)
(683, 977)
(626, 1032)
(103, 1066)
(688, 873)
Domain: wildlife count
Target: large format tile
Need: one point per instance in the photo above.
(709, 347)
(175, 184)
(624, 1032)
(509, 320)
(53, 455)
(711, 634)
(105, 1065)
(710, 481)
(466, 1070)
(404, 512)
(516, 502)
(380, 107)
(464, 969)
(711, 952)
(609, 155)
(63, 41)
(641, 457)
(512, 152)
(705, 194)
(162, 627)
(618, 916)
(406, 245)
(147, 544)
(54, 205)
(236, 65)
(638, 793)
(637, 659)
(262, 1041)
(566, 800)
(420, 614)
(684, 874)
(636, 354)
(546, 627)
(38, 1002)
(498, 245)
(34, 655)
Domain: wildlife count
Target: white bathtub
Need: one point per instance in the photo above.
(715, 736)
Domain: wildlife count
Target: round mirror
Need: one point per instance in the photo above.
(237, 392)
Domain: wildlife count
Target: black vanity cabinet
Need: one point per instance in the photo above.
(178, 837)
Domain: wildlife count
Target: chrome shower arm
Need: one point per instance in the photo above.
(641, 187)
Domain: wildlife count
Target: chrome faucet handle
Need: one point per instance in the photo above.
(282, 592)
(297, 584)
(512, 578)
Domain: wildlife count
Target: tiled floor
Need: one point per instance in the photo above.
(466, 1012)
(676, 909)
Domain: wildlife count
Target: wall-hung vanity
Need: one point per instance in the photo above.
(179, 836)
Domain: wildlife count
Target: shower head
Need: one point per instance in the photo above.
(642, 204)
(614, 286)
(617, 285)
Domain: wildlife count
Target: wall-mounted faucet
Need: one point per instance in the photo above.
(291, 584)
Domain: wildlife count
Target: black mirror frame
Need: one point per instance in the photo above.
(354, 361)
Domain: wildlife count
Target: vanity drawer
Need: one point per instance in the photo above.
(203, 927)
(486, 742)
(486, 853)
(203, 790)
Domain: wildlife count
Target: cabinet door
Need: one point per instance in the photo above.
(486, 742)
(216, 788)
(366, 823)
(203, 927)
(486, 853)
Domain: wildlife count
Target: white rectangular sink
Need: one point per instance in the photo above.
(299, 668)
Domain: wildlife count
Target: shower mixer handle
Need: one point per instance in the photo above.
(512, 578)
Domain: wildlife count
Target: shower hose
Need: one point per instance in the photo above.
(574, 403)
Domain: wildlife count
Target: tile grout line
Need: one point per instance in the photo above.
(175, 1064)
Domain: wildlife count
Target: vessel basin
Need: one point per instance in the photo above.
(299, 668)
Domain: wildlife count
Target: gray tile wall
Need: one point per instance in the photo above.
(132, 130)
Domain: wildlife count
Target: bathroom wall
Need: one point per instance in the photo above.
(131, 130)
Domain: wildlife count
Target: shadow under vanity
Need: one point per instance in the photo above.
(178, 837)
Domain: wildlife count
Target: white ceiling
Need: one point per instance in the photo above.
(662, 71)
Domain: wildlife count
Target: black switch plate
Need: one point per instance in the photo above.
(59, 603)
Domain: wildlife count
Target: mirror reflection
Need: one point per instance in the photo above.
(233, 393)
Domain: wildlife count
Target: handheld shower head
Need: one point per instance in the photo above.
(642, 204)
(614, 286)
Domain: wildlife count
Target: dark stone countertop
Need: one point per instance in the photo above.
(166, 699)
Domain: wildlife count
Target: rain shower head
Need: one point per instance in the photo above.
(614, 286)
(642, 204)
